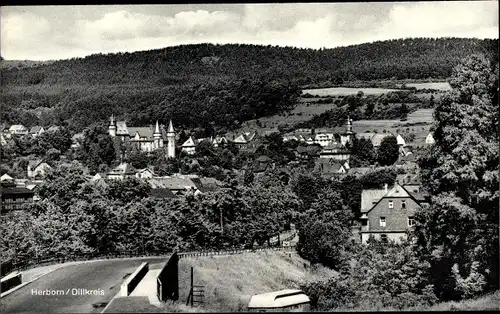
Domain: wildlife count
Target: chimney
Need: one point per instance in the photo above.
(385, 187)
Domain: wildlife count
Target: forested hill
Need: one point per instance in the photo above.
(418, 58)
(210, 87)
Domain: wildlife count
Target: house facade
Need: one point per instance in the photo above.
(387, 214)
(122, 171)
(335, 151)
(189, 146)
(330, 166)
(36, 130)
(14, 197)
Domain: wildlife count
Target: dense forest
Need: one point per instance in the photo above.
(402, 58)
(204, 84)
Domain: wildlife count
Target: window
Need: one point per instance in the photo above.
(382, 221)
(391, 204)
(411, 221)
(403, 204)
(383, 238)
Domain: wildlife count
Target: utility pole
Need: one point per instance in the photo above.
(192, 286)
(221, 225)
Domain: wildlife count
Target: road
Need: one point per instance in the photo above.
(105, 275)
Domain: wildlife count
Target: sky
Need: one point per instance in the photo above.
(62, 32)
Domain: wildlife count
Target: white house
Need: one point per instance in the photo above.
(3, 141)
(122, 171)
(37, 168)
(324, 139)
(189, 146)
(18, 129)
(429, 139)
(219, 140)
(6, 177)
(144, 173)
(401, 141)
(76, 140)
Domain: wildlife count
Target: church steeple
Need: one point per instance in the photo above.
(112, 126)
(170, 140)
(157, 129)
(170, 127)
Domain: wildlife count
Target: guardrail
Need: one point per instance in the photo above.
(20, 264)
(231, 252)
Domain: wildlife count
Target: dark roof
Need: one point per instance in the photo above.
(309, 149)
(327, 166)
(162, 193)
(419, 196)
(337, 146)
(206, 184)
(35, 129)
(16, 191)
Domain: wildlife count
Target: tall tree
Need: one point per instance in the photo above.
(388, 151)
(97, 148)
(458, 233)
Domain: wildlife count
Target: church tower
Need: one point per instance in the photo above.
(349, 125)
(112, 127)
(171, 141)
(157, 137)
(348, 135)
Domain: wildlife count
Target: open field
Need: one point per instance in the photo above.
(230, 281)
(303, 112)
(445, 86)
(344, 91)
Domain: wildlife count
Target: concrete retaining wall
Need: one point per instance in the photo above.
(11, 281)
(168, 280)
(133, 280)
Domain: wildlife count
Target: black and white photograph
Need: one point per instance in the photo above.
(250, 157)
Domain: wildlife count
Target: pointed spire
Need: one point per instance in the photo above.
(112, 120)
(170, 127)
(157, 128)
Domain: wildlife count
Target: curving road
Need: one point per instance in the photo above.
(62, 284)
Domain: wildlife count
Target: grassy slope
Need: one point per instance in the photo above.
(230, 281)
(484, 303)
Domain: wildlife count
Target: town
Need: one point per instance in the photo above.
(146, 166)
(328, 152)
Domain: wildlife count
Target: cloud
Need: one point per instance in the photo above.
(15, 29)
(39, 33)
(440, 19)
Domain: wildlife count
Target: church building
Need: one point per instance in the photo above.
(146, 139)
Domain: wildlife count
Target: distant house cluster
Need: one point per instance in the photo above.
(331, 154)
(161, 186)
(7, 132)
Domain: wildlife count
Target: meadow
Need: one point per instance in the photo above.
(344, 91)
(230, 281)
(443, 86)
